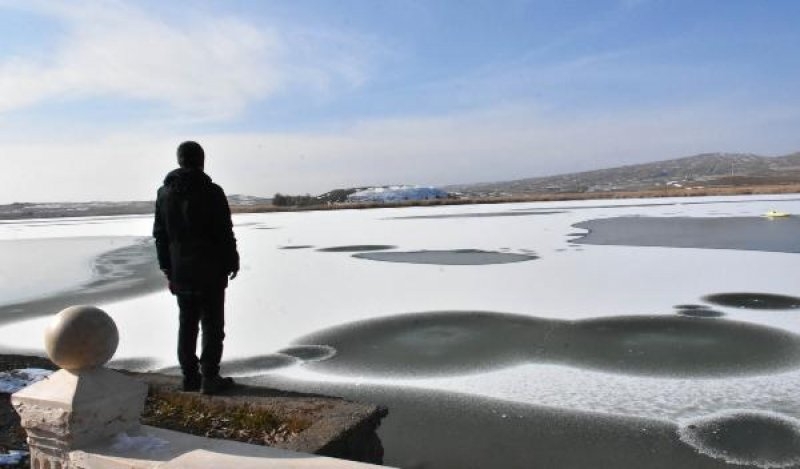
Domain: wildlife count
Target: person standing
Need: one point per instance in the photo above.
(197, 252)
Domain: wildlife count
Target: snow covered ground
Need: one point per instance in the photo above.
(286, 291)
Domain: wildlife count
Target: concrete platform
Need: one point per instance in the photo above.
(340, 428)
(166, 449)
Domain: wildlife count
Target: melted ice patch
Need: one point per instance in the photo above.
(763, 439)
(463, 342)
(754, 301)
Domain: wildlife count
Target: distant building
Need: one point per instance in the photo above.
(397, 194)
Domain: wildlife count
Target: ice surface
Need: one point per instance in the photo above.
(34, 268)
(283, 295)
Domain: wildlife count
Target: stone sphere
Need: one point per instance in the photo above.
(81, 337)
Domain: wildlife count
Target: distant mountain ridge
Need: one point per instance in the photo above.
(707, 169)
(704, 170)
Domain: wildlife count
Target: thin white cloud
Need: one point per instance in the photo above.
(203, 66)
(496, 144)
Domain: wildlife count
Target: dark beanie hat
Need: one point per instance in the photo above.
(190, 155)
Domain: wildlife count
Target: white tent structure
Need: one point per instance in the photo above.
(397, 194)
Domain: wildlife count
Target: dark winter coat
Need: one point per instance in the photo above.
(194, 233)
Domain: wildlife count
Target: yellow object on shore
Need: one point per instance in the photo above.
(775, 214)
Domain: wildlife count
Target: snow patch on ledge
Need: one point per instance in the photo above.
(12, 458)
(122, 442)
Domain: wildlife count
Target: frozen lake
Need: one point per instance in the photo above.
(674, 322)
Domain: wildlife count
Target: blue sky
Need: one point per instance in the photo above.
(305, 96)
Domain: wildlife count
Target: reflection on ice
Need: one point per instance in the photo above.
(447, 343)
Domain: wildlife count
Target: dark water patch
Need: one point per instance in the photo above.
(247, 366)
(439, 429)
(259, 364)
(678, 346)
(701, 313)
(478, 215)
(122, 266)
(740, 233)
(169, 370)
(121, 273)
(358, 248)
(458, 342)
(762, 439)
(310, 353)
(698, 311)
(431, 343)
(297, 246)
(140, 364)
(449, 257)
(754, 300)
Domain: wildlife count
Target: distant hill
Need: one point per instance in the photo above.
(708, 169)
(27, 210)
(239, 200)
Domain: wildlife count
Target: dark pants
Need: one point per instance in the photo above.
(205, 309)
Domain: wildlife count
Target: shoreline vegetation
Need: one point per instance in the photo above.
(536, 197)
(24, 211)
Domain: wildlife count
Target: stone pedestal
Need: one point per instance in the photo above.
(85, 403)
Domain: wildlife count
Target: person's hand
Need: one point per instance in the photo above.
(233, 274)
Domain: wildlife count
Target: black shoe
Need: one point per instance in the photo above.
(191, 383)
(216, 384)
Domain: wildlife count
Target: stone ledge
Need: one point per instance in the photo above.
(181, 452)
(339, 429)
